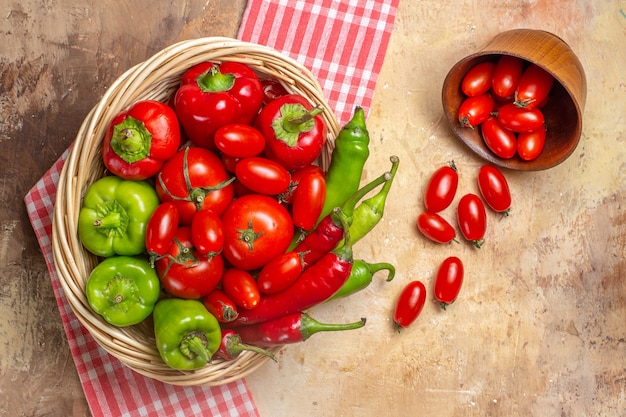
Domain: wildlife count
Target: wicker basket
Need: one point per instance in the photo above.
(156, 78)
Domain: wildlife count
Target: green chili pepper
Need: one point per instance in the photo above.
(114, 216)
(347, 161)
(123, 289)
(187, 335)
(361, 276)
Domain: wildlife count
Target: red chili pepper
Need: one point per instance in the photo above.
(232, 346)
(292, 328)
(315, 285)
(221, 306)
(213, 95)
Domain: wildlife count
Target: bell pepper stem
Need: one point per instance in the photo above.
(309, 326)
(213, 80)
(194, 344)
(111, 221)
(131, 140)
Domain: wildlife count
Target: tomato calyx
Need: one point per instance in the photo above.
(131, 140)
(294, 119)
(249, 236)
(214, 81)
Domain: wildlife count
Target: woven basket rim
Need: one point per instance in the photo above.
(156, 78)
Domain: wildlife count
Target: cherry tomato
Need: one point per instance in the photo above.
(279, 273)
(530, 144)
(448, 281)
(221, 306)
(494, 188)
(475, 110)
(263, 175)
(500, 140)
(256, 229)
(477, 80)
(207, 232)
(241, 287)
(472, 218)
(409, 304)
(506, 75)
(520, 119)
(239, 140)
(308, 200)
(534, 87)
(229, 162)
(441, 188)
(272, 89)
(161, 229)
(184, 272)
(435, 227)
(296, 176)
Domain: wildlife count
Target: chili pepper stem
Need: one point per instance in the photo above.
(235, 346)
(345, 251)
(350, 204)
(310, 326)
(377, 267)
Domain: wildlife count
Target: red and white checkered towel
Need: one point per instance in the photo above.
(343, 43)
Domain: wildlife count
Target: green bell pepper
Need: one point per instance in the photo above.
(114, 216)
(123, 289)
(187, 335)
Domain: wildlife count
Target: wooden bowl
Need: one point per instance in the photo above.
(563, 112)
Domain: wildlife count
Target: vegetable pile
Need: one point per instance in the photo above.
(215, 218)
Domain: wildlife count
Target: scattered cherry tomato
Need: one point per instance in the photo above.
(435, 227)
(494, 188)
(520, 119)
(472, 218)
(534, 87)
(221, 306)
(263, 175)
(500, 140)
(441, 188)
(308, 199)
(241, 287)
(477, 80)
(239, 140)
(409, 304)
(161, 229)
(530, 144)
(207, 232)
(506, 76)
(448, 281)
(279, 273)
(475, 110)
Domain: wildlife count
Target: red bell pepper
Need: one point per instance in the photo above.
(139, 140)
(294, 131)
(212, 95)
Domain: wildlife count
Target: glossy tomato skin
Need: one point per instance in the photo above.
(477, 80)
(279, 273)
(241, 287)
(534, 87)
(435, 227)
(308, 199)
(185, 273)
(441, 188)
(506, 76)
(195, 179)
(475, 110)
(239, 140)
(256, 229)
(448, 281)
(500, 140)
(263, 175)
(272, 89)
(472, 218)
(207, 232)
(520, 119)
(221, 306)
(161, 229)
(494, 188)
(409, 304)
(530, 144)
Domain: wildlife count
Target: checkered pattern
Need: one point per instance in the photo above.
(343, 43)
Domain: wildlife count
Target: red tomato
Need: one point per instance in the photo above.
(184, 272)
(161, 229)
(534, 87)
(272, 89)
(296, 176)
(241, 287)
(256, 229)
(239, 140)
(530, 144)
(477, 80)
(207, 232)
(279, 273)
(263, 175)
(435, 227)
(230, 162)
(448, 281)
(441, 188)
(520, 119)
(308, 200)
(195, 179)
(500, 140)
(472, 218)
(221, 306)
(506, 75)
(409, 304)
(494, 188)
(475, 110)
